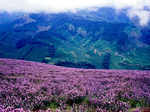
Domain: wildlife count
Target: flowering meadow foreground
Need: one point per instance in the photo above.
(30, 86)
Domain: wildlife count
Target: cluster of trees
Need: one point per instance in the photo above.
(76, 65)
(106, 61)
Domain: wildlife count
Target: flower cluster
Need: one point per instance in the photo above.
(34, 86)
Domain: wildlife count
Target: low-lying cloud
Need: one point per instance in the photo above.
(136, 7)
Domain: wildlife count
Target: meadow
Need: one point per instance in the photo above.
(31, 86)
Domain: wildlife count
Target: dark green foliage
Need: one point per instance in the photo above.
(146, 67)
(51, 104)
(45, 105)
(106, 61)
(45, 61)
(36, 107)
(49, 35)
(27, 53)
(21, 43)
(76, 65)
(134, 102)
(78, 100)
(122, 42)
(52, 51)
(145, 36)
(1, 55)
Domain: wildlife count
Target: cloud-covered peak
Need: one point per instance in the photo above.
(136, 6)
(62, 5)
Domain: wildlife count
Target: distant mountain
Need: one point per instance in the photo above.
(105, 14)
(102, 39)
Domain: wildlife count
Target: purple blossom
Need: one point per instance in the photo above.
(28, 84)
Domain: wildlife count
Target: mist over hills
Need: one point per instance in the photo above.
(102, 39)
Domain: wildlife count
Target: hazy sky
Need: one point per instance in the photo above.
(136, 6)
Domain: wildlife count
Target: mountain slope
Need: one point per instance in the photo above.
(86, 39)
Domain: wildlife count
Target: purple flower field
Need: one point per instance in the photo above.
(33, 86)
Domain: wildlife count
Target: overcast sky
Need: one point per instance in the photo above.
(136, 6)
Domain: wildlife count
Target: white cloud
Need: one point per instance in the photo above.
(49, 5)
(61, 5)
(143, 15)
(136, 6)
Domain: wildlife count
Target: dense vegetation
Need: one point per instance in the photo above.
(101, 39)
